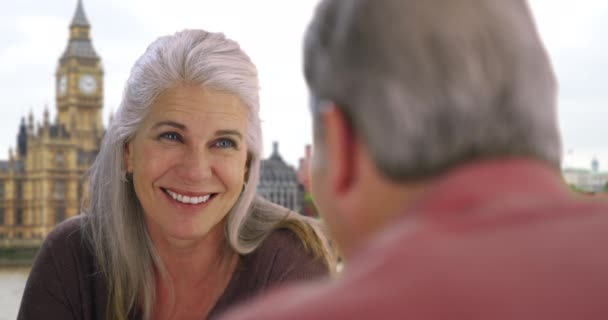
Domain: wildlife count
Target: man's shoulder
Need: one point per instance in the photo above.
(416, 265)
(419, 262)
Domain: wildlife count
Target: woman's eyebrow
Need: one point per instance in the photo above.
(229, 132)
(171, 124)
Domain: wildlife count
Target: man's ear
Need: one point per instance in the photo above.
(128, 157)
(340, 144)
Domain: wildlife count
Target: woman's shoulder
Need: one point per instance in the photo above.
(284, 257)
(66, 232)
(280, 259)
(62, 275)
(65, 244)
(290, 249)
(283, 239)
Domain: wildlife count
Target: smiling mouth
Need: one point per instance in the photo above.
(189, 199)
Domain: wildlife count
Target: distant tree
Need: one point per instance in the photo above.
(606, 187)
(578, 190)
(309, 206)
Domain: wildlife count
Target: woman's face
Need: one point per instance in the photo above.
(188, 161)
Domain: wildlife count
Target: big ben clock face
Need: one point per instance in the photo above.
(87, 84)
(62, 85)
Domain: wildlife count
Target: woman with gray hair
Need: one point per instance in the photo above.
(172, 227)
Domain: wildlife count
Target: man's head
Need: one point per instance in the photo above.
(409, 89)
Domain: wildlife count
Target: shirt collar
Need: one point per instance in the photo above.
(473, 186)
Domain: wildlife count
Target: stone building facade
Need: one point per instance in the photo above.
(279, 182)
(41, 183)
(590, 181)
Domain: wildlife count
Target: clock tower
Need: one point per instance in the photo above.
(43, 182)
(79, 85)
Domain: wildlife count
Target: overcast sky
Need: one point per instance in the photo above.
(34, 33)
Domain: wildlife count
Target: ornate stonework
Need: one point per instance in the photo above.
(42, 184)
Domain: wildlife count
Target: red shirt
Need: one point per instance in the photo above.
(501, 239)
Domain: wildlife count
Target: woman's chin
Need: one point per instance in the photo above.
(188, 234)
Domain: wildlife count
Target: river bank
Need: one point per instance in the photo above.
(17, 257)
(12, 283)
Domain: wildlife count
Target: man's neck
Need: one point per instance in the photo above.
(387, 201)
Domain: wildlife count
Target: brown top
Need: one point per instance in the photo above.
(65, 282)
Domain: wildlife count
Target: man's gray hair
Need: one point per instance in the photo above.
(429, 84)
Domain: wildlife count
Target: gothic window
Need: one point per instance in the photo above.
(59, 159)
(2, 216)
(290, 201)
(81, 159)
(59, 190)
(37, 216)
(1, 190)
(19, 190)
(19, 217)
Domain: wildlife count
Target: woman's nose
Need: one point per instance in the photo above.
(195, 165)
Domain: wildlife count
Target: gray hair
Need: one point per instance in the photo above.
(115, 225)
(429, 84)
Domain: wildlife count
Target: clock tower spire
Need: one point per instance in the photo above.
(79, 81)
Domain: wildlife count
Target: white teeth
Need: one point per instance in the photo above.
(187, 199)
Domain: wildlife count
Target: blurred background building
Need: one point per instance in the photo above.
(42, 183)
(587, 180)
(304, 166)
(279, 182)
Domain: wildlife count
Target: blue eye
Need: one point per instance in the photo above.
(172, 136)
(225, 143)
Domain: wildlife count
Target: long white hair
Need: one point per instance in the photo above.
(115, 224)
